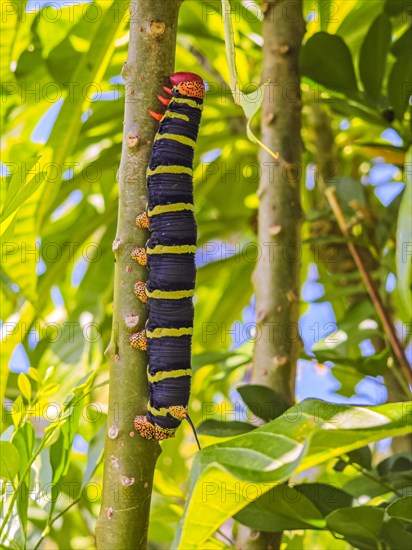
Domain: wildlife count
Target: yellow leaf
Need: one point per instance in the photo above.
(24, 386)
(34, 374)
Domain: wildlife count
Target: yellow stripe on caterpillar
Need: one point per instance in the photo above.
(161, 332)
(165, 375)
(175, 207)
(189, 102)
(170, 294)
(173, 169)
(169, 114)
(177, 411)
(178, 249)
(176, 137)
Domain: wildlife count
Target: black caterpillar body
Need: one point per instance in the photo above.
(170, 258)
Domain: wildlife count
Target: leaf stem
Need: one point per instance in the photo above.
(367, 474)
(230, 49)
(50, 522)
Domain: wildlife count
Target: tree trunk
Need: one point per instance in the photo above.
(129, 459)
(276, 278)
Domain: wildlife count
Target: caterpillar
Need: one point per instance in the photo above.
(170, 257)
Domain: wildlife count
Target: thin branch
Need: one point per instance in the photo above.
(370, 287)
(374, 478)
(276, 278)
(130, 459)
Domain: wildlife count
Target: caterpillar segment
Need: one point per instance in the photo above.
(170, 259)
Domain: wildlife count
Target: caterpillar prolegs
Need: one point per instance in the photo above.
(170, 258)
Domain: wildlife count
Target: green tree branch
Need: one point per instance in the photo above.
(130, 460)
(276, 277)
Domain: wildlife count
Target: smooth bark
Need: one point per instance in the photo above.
(276, 278)
(129, 459)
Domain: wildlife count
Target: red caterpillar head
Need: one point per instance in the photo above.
(189, 84)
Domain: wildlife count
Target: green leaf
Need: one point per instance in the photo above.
(399, 84)
(34, 374)
(9, 460)
(361, 456)
(23, 440)
(234, 274)
(326, 497)
(13, 13)
(308, 434)
(215, 357)
(404, 236)
(395, 7)
(58, 454)
(403, 44)
(94, 454)
(395, 470)
(250, 103)
(262, 401)
(219, 428)
(373, 55)
(352, 26)
(19, 214)
(401, 508)
(361, 526)
(324, 9)
(60, 450)
(326, 59)
(400, 462)
(24, 386)
(282, 507)
(90, 68)
(21, 188)
(396, 534)
(17, 411)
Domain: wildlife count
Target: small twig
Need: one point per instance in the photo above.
(230, 49)
(46, 530)
(370, 287)
(367, 474)
(207, 65)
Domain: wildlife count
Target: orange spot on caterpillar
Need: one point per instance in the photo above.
(142, 221)
(178, 412)
(138, 340)
(140, 291)
(145, 428)
(139, 255)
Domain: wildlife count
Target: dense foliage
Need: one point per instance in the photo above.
(62, 100)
